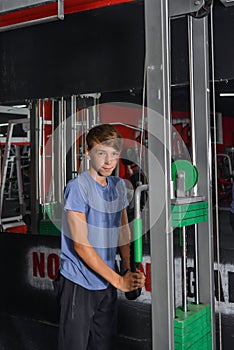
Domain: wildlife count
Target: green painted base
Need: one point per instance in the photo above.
(50, 218)
(192, 329)
(51, 210)
(47, 227)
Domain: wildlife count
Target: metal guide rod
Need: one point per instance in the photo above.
(43, 156)
(196, 264)
(87, 113)
(52, 154)
(74, 131)
(184, 271)
(59, 150)
(194, 159)
(35, 133)
(63, 140)
(81, 147)
(38, 117)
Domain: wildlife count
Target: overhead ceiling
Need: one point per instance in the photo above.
(103, 50)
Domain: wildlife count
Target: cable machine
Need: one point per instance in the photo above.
(58, 126)
(171, 325)
(187, 185)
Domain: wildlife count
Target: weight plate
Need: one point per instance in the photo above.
(190, 173)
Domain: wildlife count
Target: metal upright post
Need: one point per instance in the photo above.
(161, 235)
(203, 159)
(194, 158)
(157, 29)
(35, 163)
(74, 132)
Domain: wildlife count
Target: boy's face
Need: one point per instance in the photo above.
(103, 159)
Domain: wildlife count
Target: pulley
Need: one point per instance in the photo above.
(204, 10)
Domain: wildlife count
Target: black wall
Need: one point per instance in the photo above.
(26, 291)
(100, 51)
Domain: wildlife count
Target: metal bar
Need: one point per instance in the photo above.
(13, 5)
(191, 79)
(64, 142)
(73, 134)
(61, 141)
(19, 180)
(157, 29)
(13, 218)
(203, 159)
(58, 151)
(12, 166)
(29, 23)
(14, 110)
(87, 112)
(35, 163)
(194, 141)
(137, 205)
(38, 131)
(5, 164)
(53, 196)
(184, 271)
(43, 178)
(82, 141)
(182, 7)
(61, 9)
(19, 121)
(196, 264)
(94, 113)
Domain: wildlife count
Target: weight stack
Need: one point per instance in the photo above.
(192, 329)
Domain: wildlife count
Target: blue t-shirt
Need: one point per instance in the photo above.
(103, 206)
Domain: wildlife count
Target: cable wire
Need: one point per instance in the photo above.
(142, 120)
(216, 177)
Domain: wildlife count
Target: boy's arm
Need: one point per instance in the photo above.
(124, 241)
(79, 231)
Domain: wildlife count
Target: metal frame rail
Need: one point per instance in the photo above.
(157, 26)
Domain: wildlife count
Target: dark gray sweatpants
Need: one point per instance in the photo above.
(87, 318)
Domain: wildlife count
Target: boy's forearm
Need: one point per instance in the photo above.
(124, 241)
(124, 251)
(89, 255)
(79, 232)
